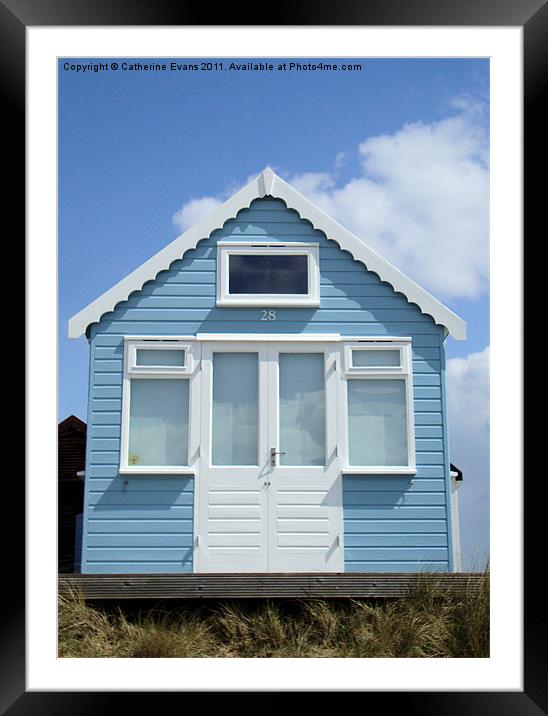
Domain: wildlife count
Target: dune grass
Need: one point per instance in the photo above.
(426, 623)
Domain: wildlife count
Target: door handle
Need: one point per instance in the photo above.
(273, 453)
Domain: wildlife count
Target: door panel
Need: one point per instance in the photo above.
(231, 484)
(262, 517)
(305, 500)
(233, 534)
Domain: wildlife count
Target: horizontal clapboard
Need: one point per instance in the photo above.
(395, 522)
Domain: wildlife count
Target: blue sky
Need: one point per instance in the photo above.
(396, 151)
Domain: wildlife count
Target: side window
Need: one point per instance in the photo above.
(156, 406)
(378, 399)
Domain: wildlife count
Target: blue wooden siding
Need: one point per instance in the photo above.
(140, 524)
(395, 524)
(136, 523)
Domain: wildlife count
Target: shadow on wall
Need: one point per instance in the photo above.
(142, 518)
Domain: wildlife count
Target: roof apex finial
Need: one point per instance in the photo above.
(266, 181)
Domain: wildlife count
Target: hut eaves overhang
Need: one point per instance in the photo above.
(268, 184)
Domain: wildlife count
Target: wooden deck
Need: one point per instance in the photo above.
(257, 586)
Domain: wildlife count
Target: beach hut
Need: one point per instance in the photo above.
(267, 394)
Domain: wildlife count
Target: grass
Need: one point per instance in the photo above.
(427, 623)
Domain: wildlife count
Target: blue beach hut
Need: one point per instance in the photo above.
(267, 394)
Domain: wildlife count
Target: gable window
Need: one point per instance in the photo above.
(157, 397)
(378, 407)
(259, 274)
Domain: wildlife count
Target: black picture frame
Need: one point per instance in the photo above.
(15, 16)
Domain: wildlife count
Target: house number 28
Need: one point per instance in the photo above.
(268, 315)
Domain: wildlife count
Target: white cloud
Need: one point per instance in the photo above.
(468, 405)
(420, 199)
(312, 183)
(468, 392)
(421, 202)
(194, 210)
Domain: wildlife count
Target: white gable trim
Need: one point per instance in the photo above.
(267, 184)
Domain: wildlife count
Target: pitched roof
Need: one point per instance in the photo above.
(72, 423)
(268, 184)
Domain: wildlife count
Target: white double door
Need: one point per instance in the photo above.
(268, 488)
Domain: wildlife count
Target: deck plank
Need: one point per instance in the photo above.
(253, 586)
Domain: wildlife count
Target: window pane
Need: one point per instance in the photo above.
(235, 427)
(377, 422)
(149, 356)
(264, 273)
(375, 358)
(302, 409)
(158, 422)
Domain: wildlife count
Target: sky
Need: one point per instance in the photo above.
(395, 150)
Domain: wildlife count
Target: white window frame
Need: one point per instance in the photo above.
(190, 371)
(253, 248)
(133, 346)
(351, 369)
(402, 372)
